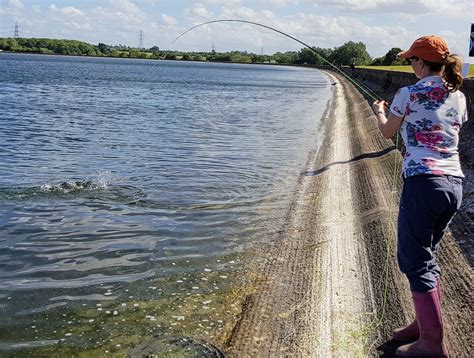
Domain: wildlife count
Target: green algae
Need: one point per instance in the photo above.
(203, 305)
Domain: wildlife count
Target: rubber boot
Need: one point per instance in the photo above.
(408, 333)
(430, 323)
(411, 332)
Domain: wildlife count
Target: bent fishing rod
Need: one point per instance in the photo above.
(356, 83)
(378, 320)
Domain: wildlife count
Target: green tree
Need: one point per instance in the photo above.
(391, 59)
(134, 53)
(240, 57)
(44, 51)
(348, 53)
(10, 44)
(351, 52)
(171, 56)
(286, 58)
(307, 56)
(103, 48)
(188, 57)
(377, 61)
(314, 56)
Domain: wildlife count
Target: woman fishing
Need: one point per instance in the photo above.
(429, 115)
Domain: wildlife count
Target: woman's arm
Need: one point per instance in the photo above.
(388, 126)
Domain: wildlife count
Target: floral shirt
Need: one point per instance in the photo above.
(432, 117)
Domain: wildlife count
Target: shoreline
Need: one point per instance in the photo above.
(138, 58)
(328, 288)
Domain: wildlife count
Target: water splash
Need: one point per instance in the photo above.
(101, 181)
(104, 179)
(67, 186)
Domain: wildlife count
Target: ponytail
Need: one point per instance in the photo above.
(452, 72)
(451, 68)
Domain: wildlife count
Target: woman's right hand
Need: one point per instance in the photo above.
(379, 106)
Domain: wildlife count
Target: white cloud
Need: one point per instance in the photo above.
(349, 5)
(381, 24)
(221, 2)
(125, 6)
(17, 4)
(168, 20)
(419, 8)
(405, 18)
(268, 14)
(238, 13)
(316, 30)
(201, 11)
(69, 10)
(82, 26)
(280, 3)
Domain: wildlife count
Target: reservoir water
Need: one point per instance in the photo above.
(133, 192)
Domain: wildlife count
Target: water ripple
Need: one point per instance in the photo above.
(122, 175)
(89, 280)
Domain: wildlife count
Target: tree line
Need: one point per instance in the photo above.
(347, 54)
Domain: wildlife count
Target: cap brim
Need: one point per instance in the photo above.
(405, 54)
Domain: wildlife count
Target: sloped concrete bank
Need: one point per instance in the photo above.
(326, 286)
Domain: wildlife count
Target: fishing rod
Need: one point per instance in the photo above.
(378, 320)
(356, 83)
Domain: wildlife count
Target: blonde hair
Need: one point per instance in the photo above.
(451, 68)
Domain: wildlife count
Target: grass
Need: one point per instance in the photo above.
(406, 69)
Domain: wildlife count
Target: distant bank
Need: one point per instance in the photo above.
(349, 53)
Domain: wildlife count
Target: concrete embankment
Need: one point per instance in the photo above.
(329, 286)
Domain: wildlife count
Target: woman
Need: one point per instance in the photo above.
(429, 115)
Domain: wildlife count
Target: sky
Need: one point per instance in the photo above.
(380, 24)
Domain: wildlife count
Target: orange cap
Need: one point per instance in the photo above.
(430, 48)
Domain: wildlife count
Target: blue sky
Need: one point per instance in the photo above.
(380, 24)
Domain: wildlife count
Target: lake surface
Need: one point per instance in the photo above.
(132, 193)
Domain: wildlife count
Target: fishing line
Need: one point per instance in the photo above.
(378, 320)
(351, 79)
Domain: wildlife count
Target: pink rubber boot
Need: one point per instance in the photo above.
(430, 323)
(411, 331)
(407, 333)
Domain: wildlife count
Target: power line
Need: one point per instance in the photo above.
(140, 34)
(16, 34)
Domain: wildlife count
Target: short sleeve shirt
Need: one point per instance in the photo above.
(432, 117)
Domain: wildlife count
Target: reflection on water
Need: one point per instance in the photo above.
(132, 193)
